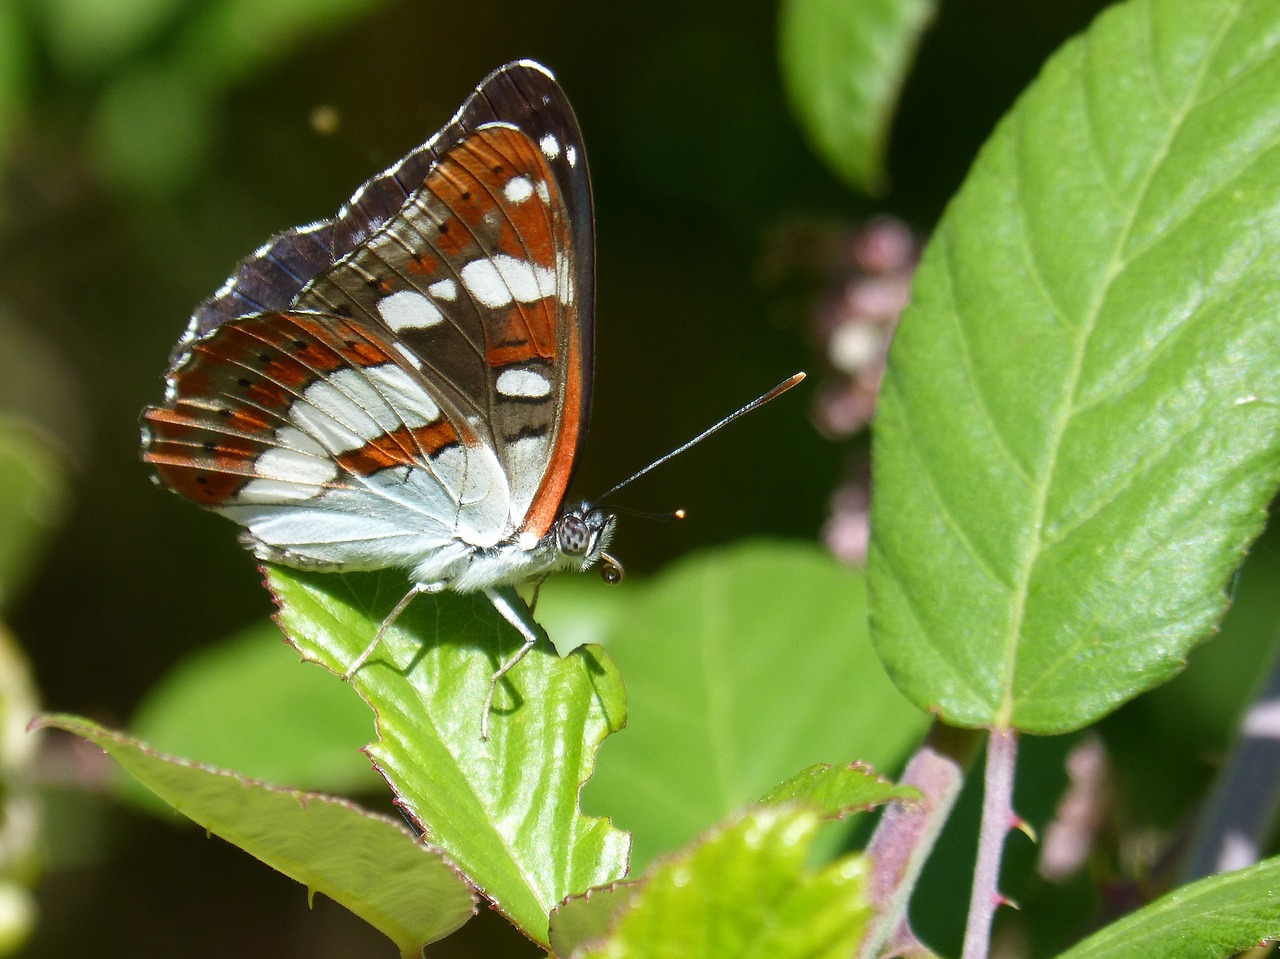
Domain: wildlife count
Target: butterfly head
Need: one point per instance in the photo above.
(582, 534)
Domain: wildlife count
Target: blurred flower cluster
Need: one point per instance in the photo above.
(866, 276)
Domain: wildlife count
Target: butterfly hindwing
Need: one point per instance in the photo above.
(311, 432)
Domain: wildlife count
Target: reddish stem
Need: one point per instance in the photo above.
(997, 818)
(906, 835)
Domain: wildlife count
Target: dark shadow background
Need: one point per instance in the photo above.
(696, 164)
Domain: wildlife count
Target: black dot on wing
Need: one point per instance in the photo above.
(351, 344)
(498, 169)
(226, 412)
(202, 479)
(444, 227)
(466, 196)
(300, 346)
(245, 382)
(345, 311)
(211, 446)
(265, 358)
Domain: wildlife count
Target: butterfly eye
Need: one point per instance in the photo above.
(573, 535)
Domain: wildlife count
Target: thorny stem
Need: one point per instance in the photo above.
(997, 819)
(906, 835)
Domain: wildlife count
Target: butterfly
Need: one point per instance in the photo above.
(408, 385)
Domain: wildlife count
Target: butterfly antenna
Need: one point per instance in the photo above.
(758, 402)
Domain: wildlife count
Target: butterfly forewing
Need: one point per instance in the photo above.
(475, 279)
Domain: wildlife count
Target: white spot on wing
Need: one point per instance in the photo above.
(444, 290)
(290, 466)
(571, 154)
(565, 289)
(526, 461)
(543, 191)
(413, 404)
(353, 407)
(290, 437)
(408, 309)
(496, 282)
(408, 354)
(527, 384)
(269, 491)
(518, 189)
(550, 146)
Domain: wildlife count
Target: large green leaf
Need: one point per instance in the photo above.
(743, 665)
(505, 809)
(1080, 426)
(275, 719)
(368, 863)
(1210, 919)
(844, 65)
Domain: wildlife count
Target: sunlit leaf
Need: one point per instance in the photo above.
(368, 863)
(1080, 426)
(505, 809)
(745, 891)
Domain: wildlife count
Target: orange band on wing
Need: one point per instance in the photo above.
(546, 502)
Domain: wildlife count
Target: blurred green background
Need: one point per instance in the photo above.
(147, 145)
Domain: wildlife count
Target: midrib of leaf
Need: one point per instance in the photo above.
(1115, 265)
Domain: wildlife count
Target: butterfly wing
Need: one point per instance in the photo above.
(423, 369)
(311, 432)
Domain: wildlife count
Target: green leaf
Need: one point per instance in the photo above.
(276, 720)
(33, 499)
(587, 919)
(506, 809)
(1080, 425)
(745, 892)
(843, 65)
(742, 665)
(837, 791)
(368, 863)
(1210, 919)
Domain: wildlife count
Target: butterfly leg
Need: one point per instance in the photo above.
(503, 603)
(416, 590)
(537, 591)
